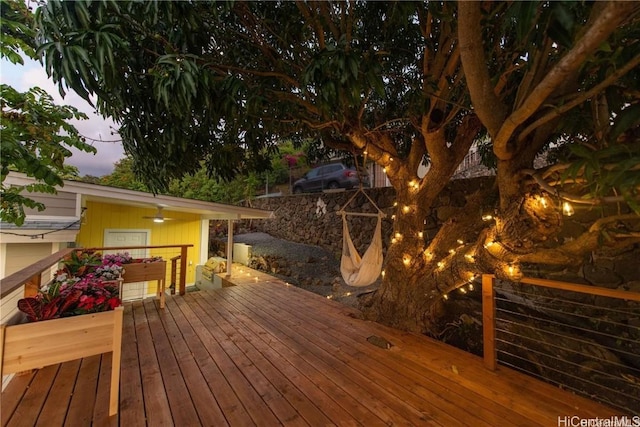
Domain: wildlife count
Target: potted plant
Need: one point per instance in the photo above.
(147, 269)
(71, 318)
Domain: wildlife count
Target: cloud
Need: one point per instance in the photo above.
(97, 128)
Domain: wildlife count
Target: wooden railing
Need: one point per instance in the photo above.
(31, 276)
(182, 258)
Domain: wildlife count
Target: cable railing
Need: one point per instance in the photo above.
(582, 338)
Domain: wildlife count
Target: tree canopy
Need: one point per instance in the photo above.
(402, 83)
(36, 134)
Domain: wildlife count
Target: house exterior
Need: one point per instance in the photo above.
(89, 216)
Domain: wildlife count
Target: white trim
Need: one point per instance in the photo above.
(147, 232)
(207, 210)
(204, 242)
(3, 259)
(59, 236)
(229, 246)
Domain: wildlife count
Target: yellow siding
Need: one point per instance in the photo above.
(184, 230)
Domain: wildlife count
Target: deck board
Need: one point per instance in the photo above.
(266, 354)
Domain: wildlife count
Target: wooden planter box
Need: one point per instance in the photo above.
(38, 344)
(146, 271)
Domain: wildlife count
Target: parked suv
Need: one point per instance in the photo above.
(331, 176)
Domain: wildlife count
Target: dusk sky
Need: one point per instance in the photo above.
(23, 77)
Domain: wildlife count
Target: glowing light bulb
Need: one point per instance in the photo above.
(487, 217)
(440, 265)
(543, 202)
(382, 273)
(393, 217)
(567, 209)
(470, 286)
(420, 234)
(470, 257)
(462, 290)
(445, 297)
(394, 240)
(406, 209)
(428, 255)
(489, 244)
(384, 169)
(452, 251)
(395, 204)
(406, 260)
(460, 241)
(348, 294)
(329, 296)
(398, 236)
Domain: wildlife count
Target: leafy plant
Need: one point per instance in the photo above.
(71, 297)
(80, 263)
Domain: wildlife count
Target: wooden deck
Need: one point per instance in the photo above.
(264, 353)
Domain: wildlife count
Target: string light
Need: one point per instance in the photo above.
(398, 236)
(440, 265)
(384, 169)
(329, 296)
(382, 273)
(513, 271)
(452, 251)
(393, 216)
(445, 297)
(488, 244)
(394, 240)
(420, 234)
(567, 209)
(487, 217)
(470, 286)
(428, 255)
(543, 202)
(470, 257)
(395, 204)
(462, 290)
(406, 260)
(406, 209)
(348, 294)
(460, 242)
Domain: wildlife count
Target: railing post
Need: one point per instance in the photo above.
(489, 322)
(183, 269)
(32, 287)
(174, 263)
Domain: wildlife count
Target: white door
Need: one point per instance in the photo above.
(119, 238)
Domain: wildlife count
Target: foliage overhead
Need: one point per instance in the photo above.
(400, 83)
(36, 133)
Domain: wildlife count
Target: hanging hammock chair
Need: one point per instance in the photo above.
(361, 270)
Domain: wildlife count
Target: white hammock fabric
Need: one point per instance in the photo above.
(361, 270)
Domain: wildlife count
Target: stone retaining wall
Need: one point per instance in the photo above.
(312, 219)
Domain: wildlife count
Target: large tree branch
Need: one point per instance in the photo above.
(581, 97)
(574, 250)
(611, 17)
(488, 106)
